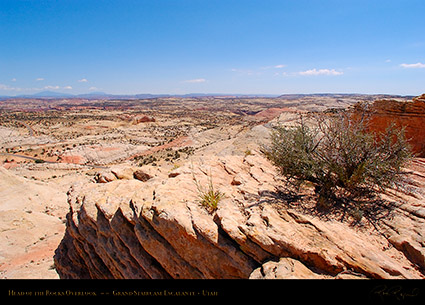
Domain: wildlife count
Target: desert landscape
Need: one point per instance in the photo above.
(168, 148)
(109, 188)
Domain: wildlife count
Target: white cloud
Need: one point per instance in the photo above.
(320, 72)
(51, 87)
(83, 80)
(93, 88)
(273, 67)
(56, 88)
(39, 79)
(13, 79)
(196, 80)
(283, 74)
(17, 89)
(247, 72)
(413, 66)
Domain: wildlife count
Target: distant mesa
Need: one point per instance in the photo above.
(50, 94)
(103, 95)
(93, 95)
(107, 96)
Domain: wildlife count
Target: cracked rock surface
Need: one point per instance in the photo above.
(158, 229)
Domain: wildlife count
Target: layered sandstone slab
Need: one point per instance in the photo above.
(158, 229)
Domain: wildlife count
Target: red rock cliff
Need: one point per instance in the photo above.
(409, 114)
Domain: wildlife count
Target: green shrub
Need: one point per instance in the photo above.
(339, 156)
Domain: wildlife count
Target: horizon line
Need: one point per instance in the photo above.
(53, 94)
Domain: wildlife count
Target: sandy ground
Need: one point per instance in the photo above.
(32, 215)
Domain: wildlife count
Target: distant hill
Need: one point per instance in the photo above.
(103, 95)
(44, 94)
(93, 95)
(342, 95)
(51, 94)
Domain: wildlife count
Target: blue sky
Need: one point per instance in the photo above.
(212, 46)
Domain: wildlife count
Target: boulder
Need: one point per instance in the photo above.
(122, 172)
(105, 177)
(285, 268)
(141, 175)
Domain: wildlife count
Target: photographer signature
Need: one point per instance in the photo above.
(396, 292)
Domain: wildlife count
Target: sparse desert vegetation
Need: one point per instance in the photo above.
(340, 157)
(182, 182)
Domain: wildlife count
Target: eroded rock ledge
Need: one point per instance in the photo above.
(157, 229)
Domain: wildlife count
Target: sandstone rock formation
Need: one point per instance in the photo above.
(101, 154)
(157, 228)
(98, 141)
(142, 119)
(410, 114)
(271, 113)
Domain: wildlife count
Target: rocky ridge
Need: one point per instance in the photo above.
(129, 228)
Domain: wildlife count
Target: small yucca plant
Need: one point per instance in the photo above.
(208, 197)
